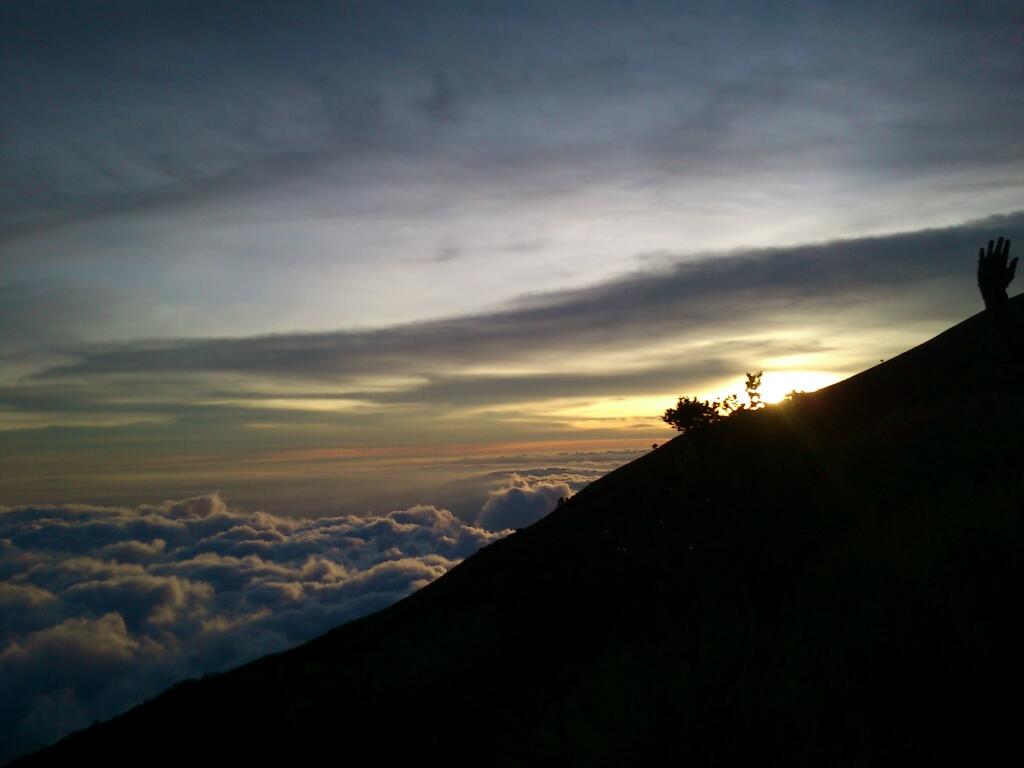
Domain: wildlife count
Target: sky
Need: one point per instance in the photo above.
(289, 270)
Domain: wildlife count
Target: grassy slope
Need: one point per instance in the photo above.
(834, 582)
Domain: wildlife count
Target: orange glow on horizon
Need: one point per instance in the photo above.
(419, 452)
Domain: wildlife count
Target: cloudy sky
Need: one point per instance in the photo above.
(334, 259)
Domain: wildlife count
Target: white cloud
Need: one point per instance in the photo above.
(524, 500)
(101, 607)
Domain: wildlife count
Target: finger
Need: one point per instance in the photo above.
(1000, 256)
(1012, 271)
(991, 246)
(1006, 248)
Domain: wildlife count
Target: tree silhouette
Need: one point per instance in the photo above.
(691, 414)
(753, 388)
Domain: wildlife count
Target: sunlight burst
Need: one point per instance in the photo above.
(775, 385)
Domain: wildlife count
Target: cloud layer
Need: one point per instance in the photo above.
(701, 313)
(526, 498)
(101, 607)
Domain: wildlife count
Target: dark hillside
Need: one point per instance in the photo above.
(838, 581)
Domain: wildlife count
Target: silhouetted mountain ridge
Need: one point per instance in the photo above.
(837, 581)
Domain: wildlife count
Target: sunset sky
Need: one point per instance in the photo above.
(347, 258)
(260, 233)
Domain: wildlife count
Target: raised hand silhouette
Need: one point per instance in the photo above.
(995, 273)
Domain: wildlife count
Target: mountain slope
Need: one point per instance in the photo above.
(837, 581)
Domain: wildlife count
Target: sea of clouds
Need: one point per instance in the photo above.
(103, 607)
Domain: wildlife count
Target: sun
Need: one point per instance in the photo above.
(775, 385)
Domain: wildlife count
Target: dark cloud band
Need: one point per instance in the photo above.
(687, 301)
